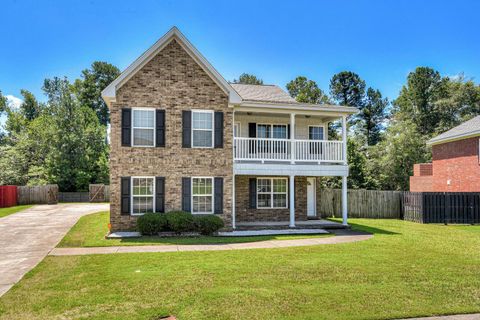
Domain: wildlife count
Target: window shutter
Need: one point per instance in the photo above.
(126, 127)
(160, 128)
(186, 194)
(253, 193)
(125, 196)
(186, 129)
(218, 130)
(160, 194)
(252, 130)
(218, 196)
(288, 132)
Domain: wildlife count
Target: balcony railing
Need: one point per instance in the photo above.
(288, 150)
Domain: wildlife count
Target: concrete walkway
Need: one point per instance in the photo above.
(342, 236)
(475, 316)
(28, 236)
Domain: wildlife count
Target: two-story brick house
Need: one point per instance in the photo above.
(183, 138)
(455, 163)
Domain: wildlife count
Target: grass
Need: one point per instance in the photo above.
(11, 210)
(405, 270)
(91, 229)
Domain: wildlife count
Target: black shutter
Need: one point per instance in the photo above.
(186, 129)
(253, 193)
(126, 127)
(160, 130)
(125, 196)
(218, 129)
(186, 194)
(288, 132)
(252, 130)
(218, 196)
(160, 194)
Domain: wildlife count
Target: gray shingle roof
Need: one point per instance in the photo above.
(466, 129)
(262, 93)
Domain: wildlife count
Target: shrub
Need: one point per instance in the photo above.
(151, 223)
(208, 224)
(180, 221)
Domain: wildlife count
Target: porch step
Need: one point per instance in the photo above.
(309, 224)
(250, 233)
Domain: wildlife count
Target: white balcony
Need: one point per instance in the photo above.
(292, 150)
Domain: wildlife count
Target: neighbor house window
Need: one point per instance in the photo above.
(202, 129)
(315, 133)
(143, 128)
(271, 193)
(202, 195)
(142, 195)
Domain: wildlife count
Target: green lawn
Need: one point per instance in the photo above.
(405, 270)
(90, 231)
(10, 210)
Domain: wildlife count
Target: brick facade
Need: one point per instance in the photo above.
(172, 81)
(244, 213)
(455, 168)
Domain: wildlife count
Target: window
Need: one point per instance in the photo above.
(202, 195)
(202, 129)
(142, 195)
(271, 193)
(315, 133)
(276, 131)
(143, 128)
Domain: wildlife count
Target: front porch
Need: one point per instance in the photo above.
(299, 225)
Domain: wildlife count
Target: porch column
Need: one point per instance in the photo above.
(233, 203)
(292, 201)
(344, 138)
(344, 200)
(292, 137)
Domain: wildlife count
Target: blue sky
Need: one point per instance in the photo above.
(380, 40)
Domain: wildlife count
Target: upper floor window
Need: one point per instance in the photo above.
(202, 129)
(143, 127)
(315, 133)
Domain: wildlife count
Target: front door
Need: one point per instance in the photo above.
(311, 198)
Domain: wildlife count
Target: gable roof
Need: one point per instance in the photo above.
(468, 129)
(109, 93)
(262, 93)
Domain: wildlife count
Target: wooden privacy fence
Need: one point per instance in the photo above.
(442, 207)
(73, 197)
(361, 203)
(99, 193)
(47, 194)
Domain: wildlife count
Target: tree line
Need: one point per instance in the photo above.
(64, 140)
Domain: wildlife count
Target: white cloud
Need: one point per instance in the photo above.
(13, 101)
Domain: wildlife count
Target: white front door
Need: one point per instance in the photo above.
(311, 198)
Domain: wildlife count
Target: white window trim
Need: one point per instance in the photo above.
(131, 194)
(272, 193)
(317, 126)
(154, 127)
(271, 128)
(212, 130)
(202, 195)
(239, 131)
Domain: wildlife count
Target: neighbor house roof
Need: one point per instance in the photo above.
(468, 129)
(109, 93)
(262, 93)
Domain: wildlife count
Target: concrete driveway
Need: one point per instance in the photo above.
(28, 236)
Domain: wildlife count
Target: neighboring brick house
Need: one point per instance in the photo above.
(183, 138)
(455, 163)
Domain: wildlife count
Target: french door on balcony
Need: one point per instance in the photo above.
(275, 135)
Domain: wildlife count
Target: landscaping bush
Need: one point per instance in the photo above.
(180, 221)
(151, 223)
(208, 224)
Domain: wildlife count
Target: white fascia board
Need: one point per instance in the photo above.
(109, 93)
(474, 134)
(296, 108)
(307, 170)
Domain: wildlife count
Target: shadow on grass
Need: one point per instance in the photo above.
(365, 228)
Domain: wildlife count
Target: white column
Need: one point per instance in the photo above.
(292, 201)
(344, 138)
(233, 203)
(344, 200)
(292, 137)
